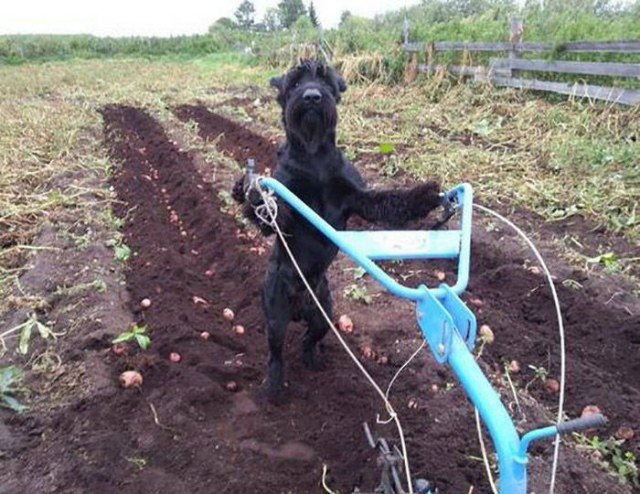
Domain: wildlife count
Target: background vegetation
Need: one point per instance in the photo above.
(292, 24)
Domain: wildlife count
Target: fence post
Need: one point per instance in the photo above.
(516, 32)
(405, 29)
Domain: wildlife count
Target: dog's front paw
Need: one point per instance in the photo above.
(238, 190)
(431, 188)
(425, 198)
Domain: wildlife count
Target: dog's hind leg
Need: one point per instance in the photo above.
(317, 326)
(277, 313)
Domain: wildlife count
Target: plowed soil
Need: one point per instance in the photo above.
(202, 425)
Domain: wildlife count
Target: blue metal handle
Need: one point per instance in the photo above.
(464, 195)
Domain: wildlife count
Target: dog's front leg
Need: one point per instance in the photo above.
(251, 201)
(396, 206)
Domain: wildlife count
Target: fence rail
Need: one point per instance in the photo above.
(632, 46)
(503, 72)
(588, 68)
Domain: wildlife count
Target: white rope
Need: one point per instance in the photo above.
(388, 406)
(396, 375)
(556, 301)
(267, 212)
(485, 456)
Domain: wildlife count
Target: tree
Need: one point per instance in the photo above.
(344, 16)
(313, 16)
(271, 19)
(290, 10)
(222, 23)
(245, 13)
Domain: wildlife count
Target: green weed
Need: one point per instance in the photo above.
(10, 378)
(613, 458)
(137, 334)
(24, 332)
(121, 251)
(358, 293)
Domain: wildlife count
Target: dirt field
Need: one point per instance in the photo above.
(202, 424)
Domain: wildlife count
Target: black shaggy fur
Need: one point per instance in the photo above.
(313, 168)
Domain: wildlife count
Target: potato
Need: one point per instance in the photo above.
(200, 301)
(514, 367)
(145, 303)
(119, 348)
(590, 410)
(439, 274)
(131, 378)
(231, 386)
(345, 324)
(552, 385)
(486, 334)
(228, 314)
(366, 351)
(175, 357)
(625, 433)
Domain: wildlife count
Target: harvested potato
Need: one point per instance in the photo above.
(228, 314)
(345, 324)
(131, 378)
(486, 334)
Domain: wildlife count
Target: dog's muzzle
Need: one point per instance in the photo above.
(312, 96)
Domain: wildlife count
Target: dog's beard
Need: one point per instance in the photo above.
(312, 126)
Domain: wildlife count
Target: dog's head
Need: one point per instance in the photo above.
(308, 94)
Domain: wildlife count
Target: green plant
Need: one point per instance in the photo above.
(573, 284)
(540, 373)
(121, 251)
(358, 272)
(610, 261)
(9, 388)
(609, 453)
(137, 334)
(386, 147)
(111, 219)
(358, 293)
(99, 285)
(227, 203)
(139, 462)
(24, 331)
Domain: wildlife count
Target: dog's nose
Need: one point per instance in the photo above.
(312, 95)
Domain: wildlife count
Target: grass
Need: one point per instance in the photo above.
(556, 159)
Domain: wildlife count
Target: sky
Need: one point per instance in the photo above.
(155, 17)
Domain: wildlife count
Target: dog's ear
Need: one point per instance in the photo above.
(276, 82)
(342, 85)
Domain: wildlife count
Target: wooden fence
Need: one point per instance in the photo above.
(504, 71)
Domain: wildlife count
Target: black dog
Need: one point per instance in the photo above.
(313, 168)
